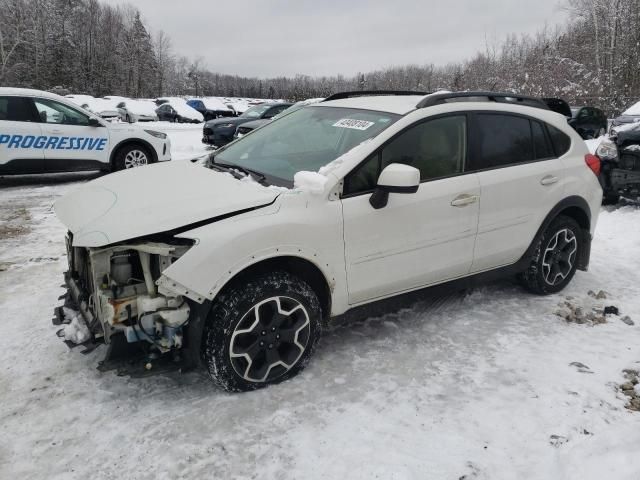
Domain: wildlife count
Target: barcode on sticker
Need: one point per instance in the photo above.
(351, 123)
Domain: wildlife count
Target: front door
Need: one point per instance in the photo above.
(417, 239)
(72, 144)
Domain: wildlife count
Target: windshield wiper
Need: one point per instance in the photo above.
(228, 167)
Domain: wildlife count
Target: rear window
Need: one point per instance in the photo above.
(502, 140)
(16, 109)
(560, 140)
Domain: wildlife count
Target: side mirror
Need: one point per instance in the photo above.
(395, 178)
(93, 122)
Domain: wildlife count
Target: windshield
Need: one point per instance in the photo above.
(306, 139)
(255, 112)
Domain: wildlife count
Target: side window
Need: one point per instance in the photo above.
(561, 141)
(272, 112)
(436, 147)
(54, 112)
(503, 140)
(17, 109)
(541, 145)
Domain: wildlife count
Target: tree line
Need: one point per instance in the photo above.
(88, 46)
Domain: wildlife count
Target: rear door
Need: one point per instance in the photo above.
(21, 140)
(72, 144)
(521, 180)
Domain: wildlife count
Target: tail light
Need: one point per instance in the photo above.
(593, 163)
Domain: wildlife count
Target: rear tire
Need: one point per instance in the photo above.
(261, 331)
(610, 199)
(131, 156)
(555, 257)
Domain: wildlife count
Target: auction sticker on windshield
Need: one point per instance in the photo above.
(351, 123)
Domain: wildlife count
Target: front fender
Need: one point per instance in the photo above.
(294, 226)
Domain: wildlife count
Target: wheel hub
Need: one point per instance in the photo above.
(135, 158)
(269, 339)
(559, 256)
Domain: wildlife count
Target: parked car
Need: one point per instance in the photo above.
(133, 111)
(104, 108)
(42, 132)
(589, 122)
(630, 115)
(245, 128)
(219, 132)
(178, 111)
(378, 196)
(620, 155)
(210, 108)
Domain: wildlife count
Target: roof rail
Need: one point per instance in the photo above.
(371, 93)
(440, 98)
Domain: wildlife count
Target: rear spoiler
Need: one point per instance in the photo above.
(558, 105)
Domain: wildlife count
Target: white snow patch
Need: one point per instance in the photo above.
(312, 182)
(633, 110)
(75, 331)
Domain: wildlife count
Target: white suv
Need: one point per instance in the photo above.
(354, 200)
(41, 132)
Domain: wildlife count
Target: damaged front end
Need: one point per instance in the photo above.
(112, 299)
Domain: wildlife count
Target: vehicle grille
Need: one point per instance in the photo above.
(207, 131)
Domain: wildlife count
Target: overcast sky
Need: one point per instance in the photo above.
(325, 37)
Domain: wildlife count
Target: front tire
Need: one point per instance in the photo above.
(261, 331)
(132, 156)
(555, 257)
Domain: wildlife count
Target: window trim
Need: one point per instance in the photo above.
(378, 152)
(475, 151)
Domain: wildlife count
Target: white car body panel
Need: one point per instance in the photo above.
(134, 203)
(72, 142)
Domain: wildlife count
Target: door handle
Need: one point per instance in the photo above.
(549, 180)
(464, 200)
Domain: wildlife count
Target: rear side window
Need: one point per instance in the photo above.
(502, 140)
(17, 109)
(560, 140)
(542, 148)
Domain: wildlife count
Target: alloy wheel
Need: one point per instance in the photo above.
(270, 339)
(559, 256)
(135, 158)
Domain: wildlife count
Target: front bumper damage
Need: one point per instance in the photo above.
(112, 299)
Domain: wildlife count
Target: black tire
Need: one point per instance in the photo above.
(248, 364)
(121, 162)
(552, 269)
(610, 199)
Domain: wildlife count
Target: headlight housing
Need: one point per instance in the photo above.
(153, 133)
(225, 125)
(607, 149)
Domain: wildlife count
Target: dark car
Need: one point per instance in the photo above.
(170, 113)
(620, 156)
(589, 122)
(219, 132)
(211, 109)
(631, 115)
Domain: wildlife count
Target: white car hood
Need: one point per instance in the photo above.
(154, 199)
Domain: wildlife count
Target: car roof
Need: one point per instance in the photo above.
(399, 104)
(29, 92)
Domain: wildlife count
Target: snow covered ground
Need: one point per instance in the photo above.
(487, 384)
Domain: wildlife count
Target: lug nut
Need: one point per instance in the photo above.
(270, 345)
(278, 336)
(262, 344)
(264, 333)
(273, 329)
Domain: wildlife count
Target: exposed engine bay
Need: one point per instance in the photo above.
(114, 290)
